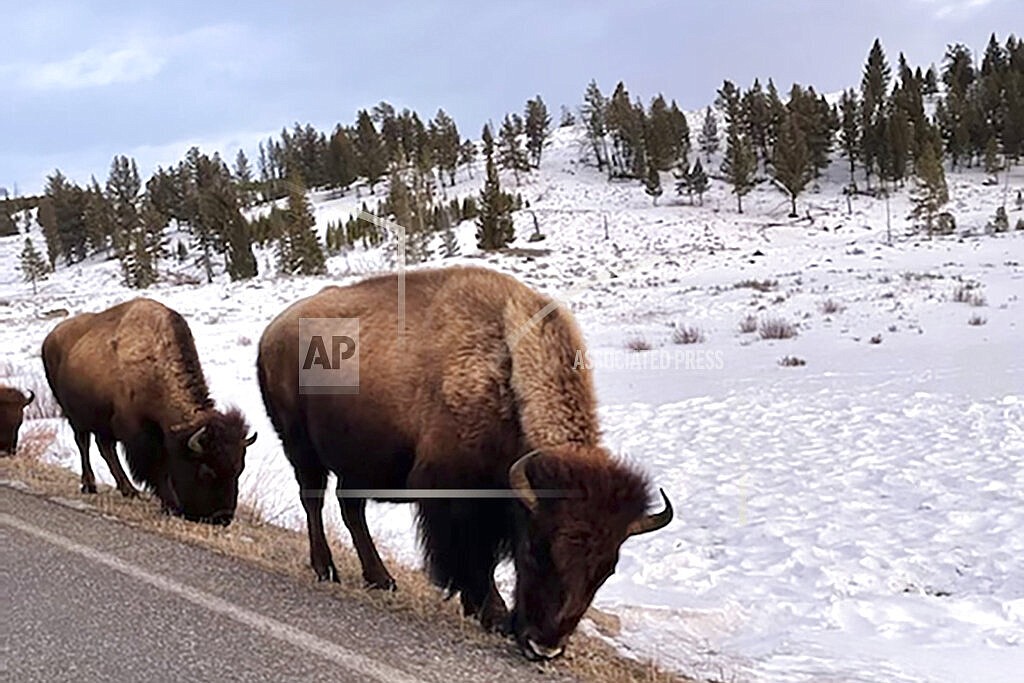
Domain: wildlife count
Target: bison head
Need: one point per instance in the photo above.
(12, 411)
(205, 460)
(579, 507)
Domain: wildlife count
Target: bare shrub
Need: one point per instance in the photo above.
(684, 334)
(759, 285)
(830, 306)
(976, 320)
(638, 343)
(748, 324)
(34, 440)
(967, 294)
(791, 362)
(877, 339)
(244, 341)
(776, 328)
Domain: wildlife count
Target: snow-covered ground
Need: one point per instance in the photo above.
(857, 518)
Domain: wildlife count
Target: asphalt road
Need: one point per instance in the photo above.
(84, 598)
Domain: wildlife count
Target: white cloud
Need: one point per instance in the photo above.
(93, 68)
(955, 8)
(140, 57)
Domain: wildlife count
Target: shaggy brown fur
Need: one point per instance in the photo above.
(132, 374)
(12, 412)
(482, 373)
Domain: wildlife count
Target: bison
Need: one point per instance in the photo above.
(12, 412)
(131, 374)
(470, 404)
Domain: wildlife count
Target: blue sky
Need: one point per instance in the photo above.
(82, 83)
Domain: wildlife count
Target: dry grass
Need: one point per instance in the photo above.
(685, 334)
(976, 321)
(34, 440)
(831, 306)
(776, 328)
(282, 551)
(759, 285)
(792, 362)
(748, 324)
(638, 343)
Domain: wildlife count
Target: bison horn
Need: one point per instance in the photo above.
(520, 483)
(193, 441)
(251, 440)
(31, 397)
(655, 521)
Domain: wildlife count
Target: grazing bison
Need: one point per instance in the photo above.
(12, 411)
(474, 388)
(131, 374)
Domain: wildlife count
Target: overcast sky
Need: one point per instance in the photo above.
(83, 83)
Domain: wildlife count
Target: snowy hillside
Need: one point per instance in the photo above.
(859, 517)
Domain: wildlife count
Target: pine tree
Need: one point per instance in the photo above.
(874, 93)
(740, 162)
(467, 155)
(342, 163)
(124, 190)
(708, 139)
(791, 161)
(537, 123)
(46, 216)
(849, 131)
(757, 116)
(930, 192)
(494, 224)
(371, 154)
(566, 118)
(698, 181)
(511, 155)
(446, 141)
(299, 251)
(243, 178)
(652, 183)
(992, 165)
(594, 114)
(931, 82)
(33, 267)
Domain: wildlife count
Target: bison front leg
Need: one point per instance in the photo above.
(353, 511)
(312, 485)
(88, 478)
(109, 453)
(490, 609)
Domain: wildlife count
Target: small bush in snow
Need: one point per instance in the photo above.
(748, 324)
(830, 306)
(877, 339)
(638, 343)
(1020, 224)
(976, 320)
(687, 335)
(776, 328)
(792, 362)
(244, 341)
(759, 285)
(966, 294)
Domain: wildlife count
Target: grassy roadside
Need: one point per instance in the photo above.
(283, 551)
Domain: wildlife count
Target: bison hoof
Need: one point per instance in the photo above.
(88, 488)
(328, 574)
(387, 584)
